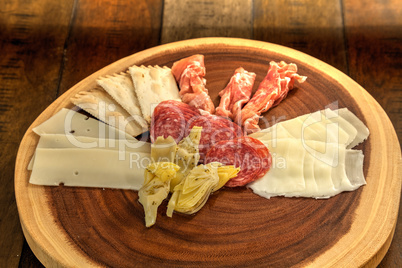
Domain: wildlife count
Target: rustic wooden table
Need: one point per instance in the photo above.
(48, 46)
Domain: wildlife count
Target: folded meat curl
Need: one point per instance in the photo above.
(271, 91)
(189, 74)
(236, 93)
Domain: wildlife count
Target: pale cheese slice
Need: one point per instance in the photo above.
(333, 126)
(68, 121)
(328, 169)
(329, 160)
(286, 172)
(153, 84)
(328, 131)
(308, 174)
(89, 168)
(323, 179)
(307, 127)
(99, 104)
(345, 130)
(354, 167)
(71, 141)
(121, 88)
(277, 131)
(298, 128)
(362, 131)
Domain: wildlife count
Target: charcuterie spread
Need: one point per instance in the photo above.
(156, 130)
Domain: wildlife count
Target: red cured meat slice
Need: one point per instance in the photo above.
(213, 131)
(262, 151)
(229, 124)
(236, 94)
(189, 74)
(271, 91)
(170, 118)
(254, 161)
(176, 106)
(195, 61)
(169, 125)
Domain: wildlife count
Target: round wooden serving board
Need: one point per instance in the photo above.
(84, 227)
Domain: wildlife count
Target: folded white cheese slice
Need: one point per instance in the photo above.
(332, 126)
(328, 126)
(277, 131)
(89, 168)
(314, 126)
(362, 131)
(286, 172)
(327, 169)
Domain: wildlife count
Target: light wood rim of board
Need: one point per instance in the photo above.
(359, 247)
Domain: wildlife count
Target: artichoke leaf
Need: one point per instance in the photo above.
(156, 188)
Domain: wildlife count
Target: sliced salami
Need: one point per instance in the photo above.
(169, 125)
(214, 130)
(262, 151)
(229, 124)
(175, 106)
(170, 118)
(247, 153)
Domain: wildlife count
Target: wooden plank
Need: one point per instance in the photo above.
(97, 38)
(314, 27)
(374, 42)
(196, 18)
(29, 76)
(374, 29)
(103, 35)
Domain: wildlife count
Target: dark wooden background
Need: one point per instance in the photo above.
(47, 46)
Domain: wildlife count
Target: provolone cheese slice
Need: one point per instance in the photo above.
(328, 130)
(328, 169)
(277, 131)
(89, 168)
(332, 126)
(286, 172)
(354, 167)
(362, 131)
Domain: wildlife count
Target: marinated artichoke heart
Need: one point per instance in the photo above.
(164, 150)
(225, 173)
(190, 195)
(187, 155)
(156, 188)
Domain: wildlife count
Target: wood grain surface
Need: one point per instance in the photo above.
(77, 226)
(27, 75)
(49, 46)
